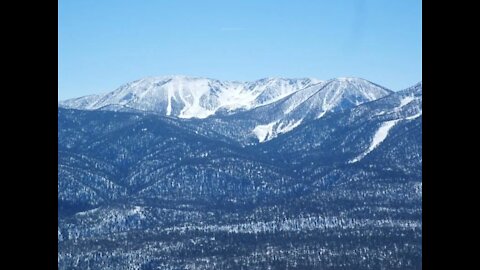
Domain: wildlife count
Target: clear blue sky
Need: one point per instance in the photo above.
(103, 44)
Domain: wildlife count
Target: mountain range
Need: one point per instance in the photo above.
(191, 97)
(179, 172)
(268, 106)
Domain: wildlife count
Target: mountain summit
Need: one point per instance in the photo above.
(196, 97)
(190, 97)
(263, 109)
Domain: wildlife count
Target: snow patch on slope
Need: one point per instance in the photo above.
(195, 89)
(269, 131)
(406, 100)
(289, 127)
(321, 115)
(378, 138)
(236, 97)
(414, 116)
(169, 102)
(381, 134)
(263, 132)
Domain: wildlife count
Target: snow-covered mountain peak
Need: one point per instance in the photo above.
(177, 77)
(175, 80)
(347, 79)
(191, 97)
(288, 80)
(198, 97)
(312, 103)
(268, 106)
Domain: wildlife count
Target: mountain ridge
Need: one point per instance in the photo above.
(193, 96)
(232, 94)
(270, 106)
